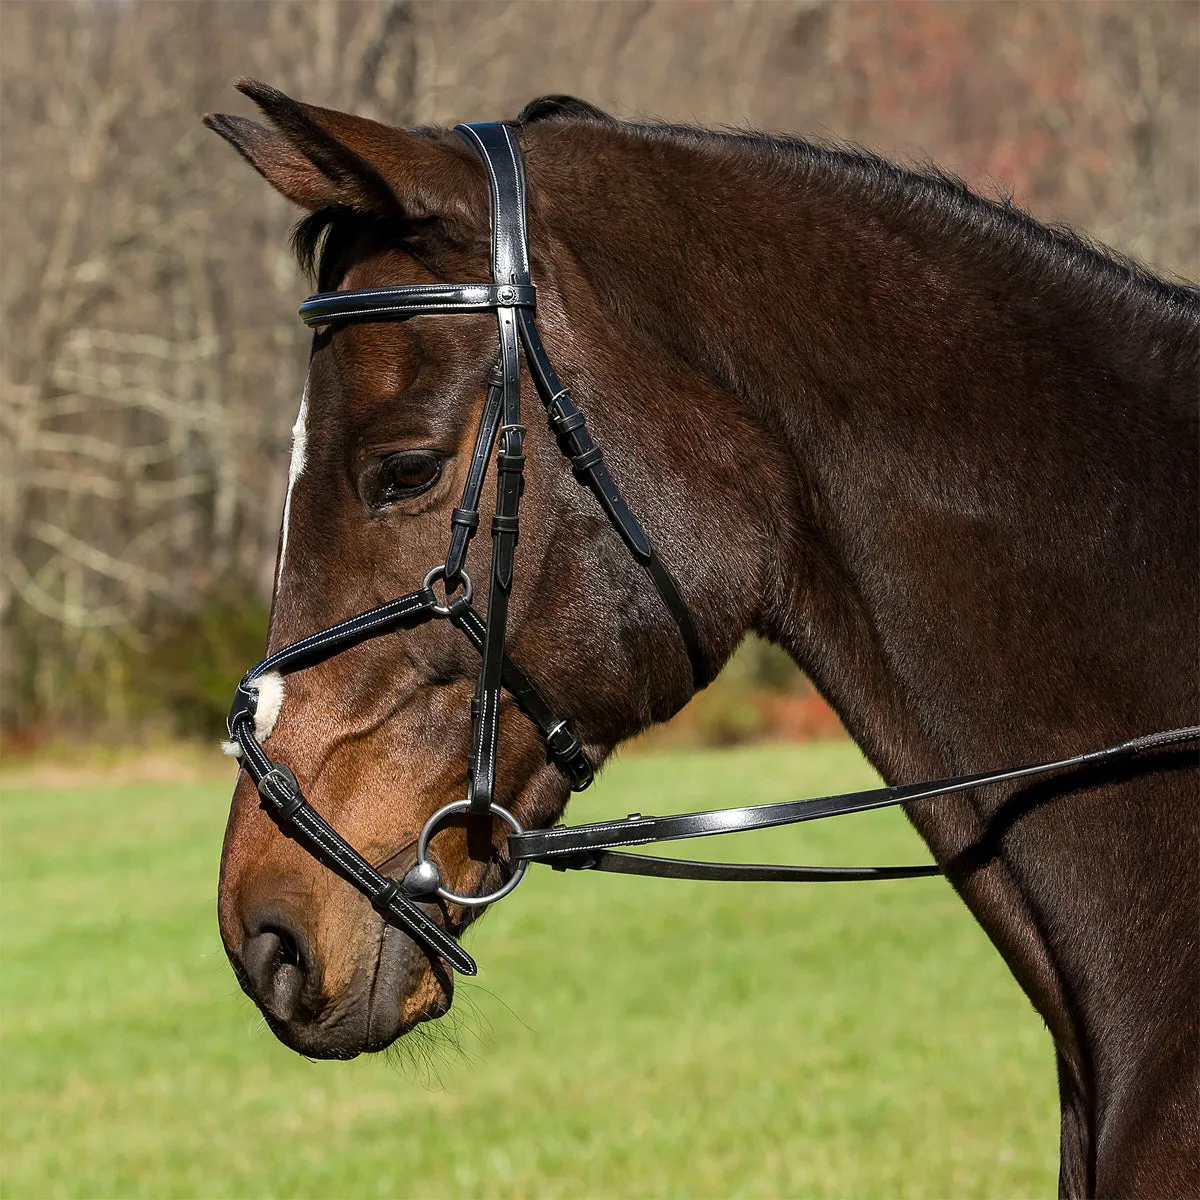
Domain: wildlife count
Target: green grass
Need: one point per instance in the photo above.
(624, 1037)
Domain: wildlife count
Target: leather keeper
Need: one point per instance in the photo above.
(503, 524)
(510, 464)
(381, 902)
(280, 779)
(289, 807)
(564, 423)
(588, 459)
(468, 518)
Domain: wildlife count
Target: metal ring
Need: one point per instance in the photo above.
(455, 606)
(460, 806)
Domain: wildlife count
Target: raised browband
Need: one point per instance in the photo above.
(414, 300)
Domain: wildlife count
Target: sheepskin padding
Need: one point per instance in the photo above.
(266, 712)
(270, 704)
(295, 470)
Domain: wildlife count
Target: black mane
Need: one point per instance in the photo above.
(946, 197)
(930, 195)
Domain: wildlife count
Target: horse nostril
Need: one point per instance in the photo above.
(276, 965)
(288, 954)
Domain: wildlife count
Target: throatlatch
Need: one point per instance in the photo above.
(512, 297)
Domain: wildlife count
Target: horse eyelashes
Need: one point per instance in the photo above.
(404, 475)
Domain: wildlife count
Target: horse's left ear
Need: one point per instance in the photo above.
(320, 157)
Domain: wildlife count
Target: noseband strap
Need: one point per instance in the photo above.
(512, 297)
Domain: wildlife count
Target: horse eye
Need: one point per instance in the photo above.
(404, 475)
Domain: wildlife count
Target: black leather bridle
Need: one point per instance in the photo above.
(512, 297)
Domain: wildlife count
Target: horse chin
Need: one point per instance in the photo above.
(406, 991)
(378, 1007)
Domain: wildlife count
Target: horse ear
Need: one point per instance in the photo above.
(277, 161)
(318, 156)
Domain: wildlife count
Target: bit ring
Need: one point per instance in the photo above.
(431, 827)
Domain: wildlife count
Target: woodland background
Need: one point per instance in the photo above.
(151, 358)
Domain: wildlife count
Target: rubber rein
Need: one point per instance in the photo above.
(512, 298)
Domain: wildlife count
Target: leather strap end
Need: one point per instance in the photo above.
(564, 748)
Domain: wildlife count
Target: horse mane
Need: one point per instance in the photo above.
(926, 191)
(940, 198)
(926, 194)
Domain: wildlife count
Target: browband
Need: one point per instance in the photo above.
(414, 299)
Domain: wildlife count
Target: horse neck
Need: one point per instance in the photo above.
(985, 418)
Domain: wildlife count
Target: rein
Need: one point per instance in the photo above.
(513, 298)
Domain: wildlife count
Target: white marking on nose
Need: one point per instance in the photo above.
(295, 469)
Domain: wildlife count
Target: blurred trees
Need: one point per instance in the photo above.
(150, 353)
(150, 360)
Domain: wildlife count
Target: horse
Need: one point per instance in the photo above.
(942, 454)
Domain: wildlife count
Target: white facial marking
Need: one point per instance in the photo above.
(295, 469)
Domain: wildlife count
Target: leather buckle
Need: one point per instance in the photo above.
(381, 902)
(281, 777)
(564, 748)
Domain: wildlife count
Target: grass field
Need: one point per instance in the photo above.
(624, 1037)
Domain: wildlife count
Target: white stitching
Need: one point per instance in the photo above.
(491, 712)
(403, 606)
(494, 191)
(315, 826)
(520, 187)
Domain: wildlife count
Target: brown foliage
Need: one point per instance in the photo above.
(151, 360)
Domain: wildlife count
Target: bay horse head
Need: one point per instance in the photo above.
(945, 456)
(395, 418)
